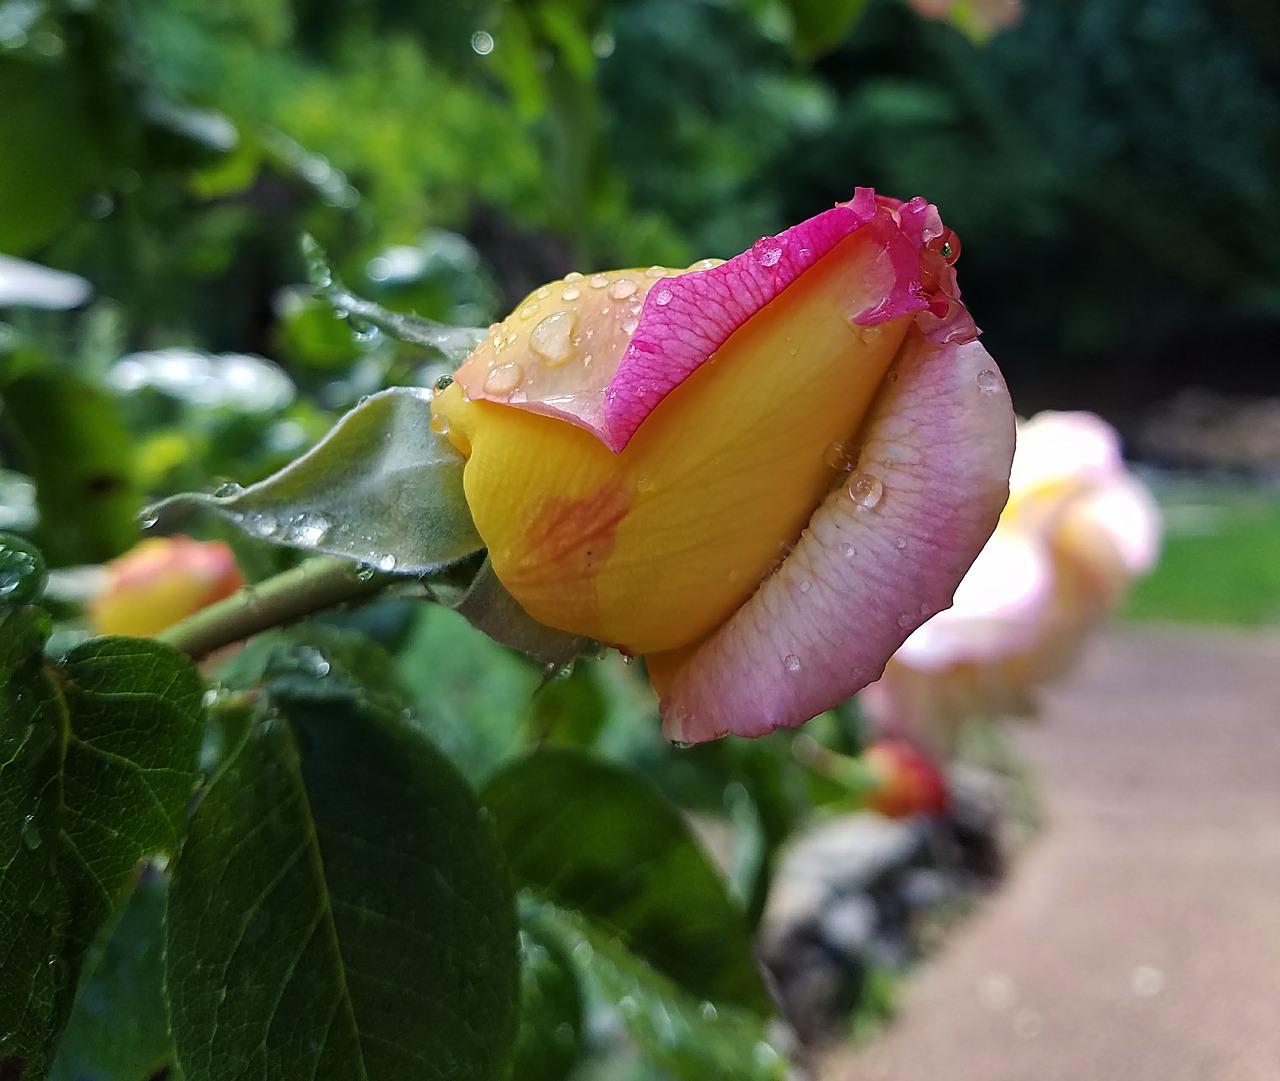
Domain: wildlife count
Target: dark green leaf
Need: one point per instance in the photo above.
(550, 1010)
(381, 488)
(690, 1039)
(119, 1028)
(97, 765)
(33, 907)
(339, 909)
(76, 448)
(601, 839)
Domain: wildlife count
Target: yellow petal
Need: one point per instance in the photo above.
(652, 548)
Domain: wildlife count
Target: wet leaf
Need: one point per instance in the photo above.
(97, 765)
(340, 909)
(550, 1010)
(381, 488)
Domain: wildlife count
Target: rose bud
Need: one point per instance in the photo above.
(760, 474)
(160, 581)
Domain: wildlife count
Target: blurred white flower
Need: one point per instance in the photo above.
(1077, 530)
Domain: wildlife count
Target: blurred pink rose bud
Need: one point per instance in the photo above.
(1078, 529)
(160, 581)
(980, 18)
(909, 781)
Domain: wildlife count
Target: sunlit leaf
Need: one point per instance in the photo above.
(599, 838)
(818, 26)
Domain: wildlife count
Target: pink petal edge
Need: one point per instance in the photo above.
(687, 318)
(940, 442)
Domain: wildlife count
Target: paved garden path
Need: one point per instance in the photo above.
(1138, 938)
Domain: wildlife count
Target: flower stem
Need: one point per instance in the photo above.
(308, 588)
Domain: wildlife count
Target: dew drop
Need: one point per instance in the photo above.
(387, 563)
(892, 377)
(552, 338)
(543, 292)
(573, 276)
(30, 832)
(988, 381)
(900, 543)
(529, 311)
(792, 662)
(599, 281)
(905, 621)
(662, 298)
(622, 288)
(656, 272)
(263, 525)
(308, 530)
(706, 264)
(572, 292)
(439, 424)
(805, 586)
(147, 520)
(227, 490)
(866, 490)
(629, 324)
(767, 251)
(504, 379)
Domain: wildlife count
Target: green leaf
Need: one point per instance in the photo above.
(119, 1027)
(75, 446)
(97, 765)
(550, 1010)
(691, 1040)
(51, 157)
(33, 907)
(818, 26)
(339, 909)
(596, 837)
(381, 488)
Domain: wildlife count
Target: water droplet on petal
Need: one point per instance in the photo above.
(622, 288)
(662, 298)
(866, 490)
(805, 586)
(573, 276)
(543, 292)
(705, 264)
(571, 292)
(905, 621)
(989, 382)
(529, 311)
(656, 272)
(629, 324)
(900, 543)
(439, 424)
(552, 339)
(838, 456)
(768, 251)
(848, 551)
(792, 662)
(599, 281)
(503, 379)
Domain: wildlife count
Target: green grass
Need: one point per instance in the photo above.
(1221, 558)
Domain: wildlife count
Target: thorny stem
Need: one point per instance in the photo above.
(308, 588)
